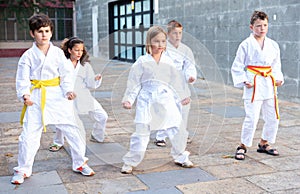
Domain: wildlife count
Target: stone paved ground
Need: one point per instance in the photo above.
(215, 121)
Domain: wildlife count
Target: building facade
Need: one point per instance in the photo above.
(212, 28)
(115, 29)
(14, 31)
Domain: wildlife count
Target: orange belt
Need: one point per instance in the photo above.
(265, 71)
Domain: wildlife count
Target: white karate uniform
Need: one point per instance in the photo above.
(185, 63)
(85, 103)
(250, 53)
(158, 92)
(34, 65)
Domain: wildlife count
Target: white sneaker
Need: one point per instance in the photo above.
(18, 178)
(126, 169)
(85, 170)
(186, 164)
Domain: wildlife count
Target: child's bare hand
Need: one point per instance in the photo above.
(278, 83)
(27, 100)
(98, 77)
(248, 84)
(191, 79)
(186, 101)
(126, 105)
(71, 95)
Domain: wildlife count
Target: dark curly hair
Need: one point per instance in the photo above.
(69, 43)
(40, 20)
(258, 15)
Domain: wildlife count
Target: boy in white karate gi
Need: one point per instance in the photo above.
(155, 83)
(257, 68)
(184, 61)
(44, 82)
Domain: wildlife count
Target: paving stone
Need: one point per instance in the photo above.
(172, 190)
(92, 157)
(155, 165)
(233, 186)
(39, 183)
(9, 117)
(102, 94)
(278, 181)
(110, 153)
(237, 168)
(170, 179)
(288, 122)
(4, 166)
(287, 133)
(212, 159)
(198, 91)
(287, 191)
(52, 164)
(102, 172)
(57, 189)
(107, 186)
(227, 112)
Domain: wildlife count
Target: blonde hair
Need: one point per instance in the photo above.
(152, 32)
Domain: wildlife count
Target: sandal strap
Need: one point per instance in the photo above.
(264, 146)
(241, 148)
(53, 145)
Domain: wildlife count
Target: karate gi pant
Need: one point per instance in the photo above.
(271, 123)
(160, 134)
(29, 143)
(99, 116)
(139, 141)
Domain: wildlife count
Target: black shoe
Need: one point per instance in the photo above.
(160, 143)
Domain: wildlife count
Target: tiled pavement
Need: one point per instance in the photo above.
(215, 120)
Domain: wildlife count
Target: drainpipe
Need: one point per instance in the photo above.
(74, 18)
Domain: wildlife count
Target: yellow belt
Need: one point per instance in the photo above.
(265, 71)
(41, 84)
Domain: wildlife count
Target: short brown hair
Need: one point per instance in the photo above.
(173, 24)
(40, 20)
(152, 32)
(258, 15)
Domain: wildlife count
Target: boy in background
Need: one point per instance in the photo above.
(184, 61)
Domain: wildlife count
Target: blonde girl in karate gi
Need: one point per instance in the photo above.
(257, 68)
(155, 83)
(85, 79)
(44, 82)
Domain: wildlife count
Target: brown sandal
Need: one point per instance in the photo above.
(160, 143)
(263, 149)
(54, 148)
(237, 153)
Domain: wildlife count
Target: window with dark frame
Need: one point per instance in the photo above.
(15, 28)
(128, 24)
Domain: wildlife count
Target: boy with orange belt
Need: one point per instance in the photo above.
(257, 68)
